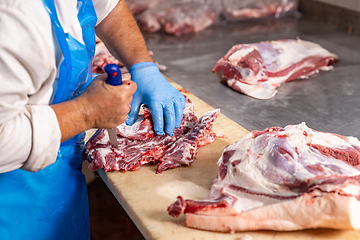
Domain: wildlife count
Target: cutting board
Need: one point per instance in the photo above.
(145, 196)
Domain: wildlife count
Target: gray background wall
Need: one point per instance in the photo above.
(342, 13)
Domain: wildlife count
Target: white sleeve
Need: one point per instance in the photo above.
(29, 132)
(103, 8)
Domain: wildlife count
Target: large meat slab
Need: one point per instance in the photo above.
(177, 17)
(281, 179)
(139, 144)
(257, 69)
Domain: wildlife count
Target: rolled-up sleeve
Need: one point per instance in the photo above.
(103, 8)
(45, 139)
(30, 135)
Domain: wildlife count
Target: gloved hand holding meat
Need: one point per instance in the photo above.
(139, 144)
(164, 102)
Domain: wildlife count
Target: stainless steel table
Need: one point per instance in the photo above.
(328, 101)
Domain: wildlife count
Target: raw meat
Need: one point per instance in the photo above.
(103, 57)
(177, 18)
(281, 179)
(257, 69)
(234, 10)
(138, 6)
(139, 144)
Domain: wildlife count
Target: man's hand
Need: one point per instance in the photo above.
(100, 106)
(107, 106)
(165, 103)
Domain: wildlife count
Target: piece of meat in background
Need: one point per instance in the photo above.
(182, 17)
(234, 10)
(257, 69)
(138, 6)
(177, 17)
(103, 57)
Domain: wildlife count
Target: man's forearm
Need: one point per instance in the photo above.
(121, 35)
(70, 118)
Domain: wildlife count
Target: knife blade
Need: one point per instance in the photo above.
(113, 78)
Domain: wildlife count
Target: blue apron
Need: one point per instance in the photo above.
(53, 202)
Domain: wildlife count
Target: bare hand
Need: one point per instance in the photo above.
(99, 106)
(104, 105)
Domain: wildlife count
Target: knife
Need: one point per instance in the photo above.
(114, 78)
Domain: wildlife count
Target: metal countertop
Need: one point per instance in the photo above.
(327, 101)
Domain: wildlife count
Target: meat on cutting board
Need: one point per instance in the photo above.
(281, 179)
(257, 69)
(139, 144)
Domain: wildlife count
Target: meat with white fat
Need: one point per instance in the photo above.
(138, 6)
(257, 69)
(288, 178)
(233, 10)
(177, 18)
(139, 144)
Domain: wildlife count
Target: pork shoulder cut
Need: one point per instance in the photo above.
(257, 69)
(139, 144)
(281, 179)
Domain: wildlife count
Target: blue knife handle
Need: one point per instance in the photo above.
(113, 74)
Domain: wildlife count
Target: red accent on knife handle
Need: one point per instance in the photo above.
(114, 74)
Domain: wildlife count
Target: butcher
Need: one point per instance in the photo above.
(48, 99)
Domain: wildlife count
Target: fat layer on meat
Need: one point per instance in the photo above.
(281, 179)
(257, 69)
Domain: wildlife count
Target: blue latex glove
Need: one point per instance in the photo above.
(165, 103)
